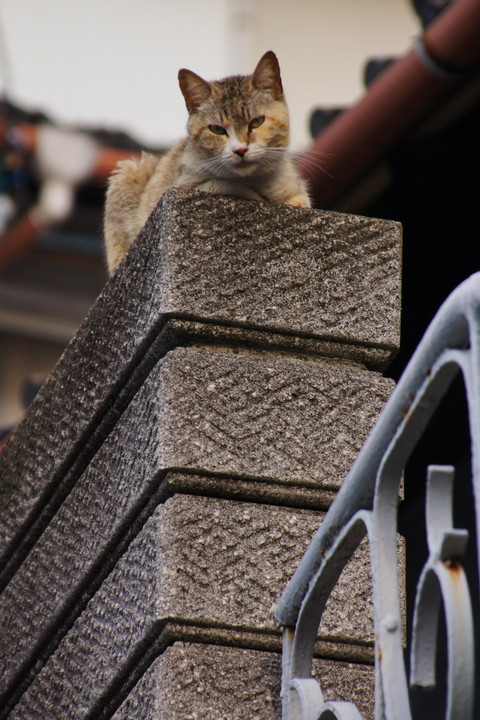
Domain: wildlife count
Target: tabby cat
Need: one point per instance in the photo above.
(238, 132)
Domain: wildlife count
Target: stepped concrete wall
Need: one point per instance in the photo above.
(169, 476)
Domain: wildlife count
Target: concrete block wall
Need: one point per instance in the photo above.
(168, 478)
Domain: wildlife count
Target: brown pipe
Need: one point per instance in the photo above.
(453, 40)
(404, 95)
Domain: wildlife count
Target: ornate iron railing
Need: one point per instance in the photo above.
(367, 505)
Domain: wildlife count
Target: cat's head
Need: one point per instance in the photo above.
(238, 127)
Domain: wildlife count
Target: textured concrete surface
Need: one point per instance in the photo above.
(242, 414)
(261, 416)
(198, 563)
(325, 276)
(215, 683)
(236, 336)
(170, 474)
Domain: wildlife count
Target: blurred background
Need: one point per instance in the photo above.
(109, 68)
(114, 63)
(379, 129)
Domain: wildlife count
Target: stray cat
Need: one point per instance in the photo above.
(238, 132)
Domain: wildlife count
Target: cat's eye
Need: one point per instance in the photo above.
(256, 122)
(218, 129)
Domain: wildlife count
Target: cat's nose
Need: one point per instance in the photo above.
(241, 151)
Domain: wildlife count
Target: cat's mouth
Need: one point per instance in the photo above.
(244, 165)
(234, 167)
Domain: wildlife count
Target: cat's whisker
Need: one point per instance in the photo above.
(312, 164)
(207, 162)
(277, 150)
(302, 153)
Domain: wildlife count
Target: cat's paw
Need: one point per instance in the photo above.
(299, 200)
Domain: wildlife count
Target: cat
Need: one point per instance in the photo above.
(238, 133)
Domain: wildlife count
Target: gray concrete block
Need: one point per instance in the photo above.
(218, 683)
(243, 415)
(186, 380)
(226, 270)
(221, 564)
(201, 568)
(266, 266)
(264, 416)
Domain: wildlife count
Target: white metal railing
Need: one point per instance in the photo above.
(367, 505)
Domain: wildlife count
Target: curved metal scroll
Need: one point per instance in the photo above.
(367, 504)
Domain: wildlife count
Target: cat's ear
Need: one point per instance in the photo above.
(266, 75)
(195, 90)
